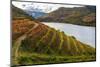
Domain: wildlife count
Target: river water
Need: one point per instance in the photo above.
(84, 34)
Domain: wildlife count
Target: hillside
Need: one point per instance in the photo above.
(42, 44)
(36, 43)
(18, 13)
(35, 12)
(77, 15)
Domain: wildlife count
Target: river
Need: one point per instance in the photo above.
(84, 34)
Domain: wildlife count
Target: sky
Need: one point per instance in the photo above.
(44, 7)
(49, 7)
(86, 2)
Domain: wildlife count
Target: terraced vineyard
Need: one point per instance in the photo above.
(36, 43)
(44, 45)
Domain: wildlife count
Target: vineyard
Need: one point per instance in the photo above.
(36, 43)
(46, 45)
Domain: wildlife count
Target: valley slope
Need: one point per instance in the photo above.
(78, 15)
(36, 43)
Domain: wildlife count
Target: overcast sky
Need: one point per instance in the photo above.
(88, 2)
(54, 7)
(43, 6)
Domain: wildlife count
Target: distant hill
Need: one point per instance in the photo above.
(35, 14)
(18, 13)
(36, 43)
(77, 15)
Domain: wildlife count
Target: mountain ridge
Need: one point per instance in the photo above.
(77, 15)
(37, 43)
(18, 13)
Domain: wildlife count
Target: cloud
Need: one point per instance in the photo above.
(43, 6)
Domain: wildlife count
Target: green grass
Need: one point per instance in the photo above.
(53, 37)
(49, 45)
(43, 37)
(36, 58)
(68, 43)
(74, 44)
(61, 38)
(71, 50)
(81, 48)
(50, 42)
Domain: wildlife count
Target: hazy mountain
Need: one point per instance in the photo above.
(18, 13)
(35, 14)
(77, 15)
(36, 43)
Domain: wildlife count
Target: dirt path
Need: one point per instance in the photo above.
(17, 43)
